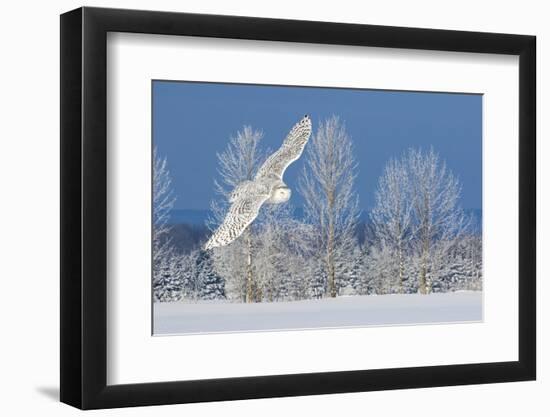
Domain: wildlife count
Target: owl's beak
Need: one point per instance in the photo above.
(289, 193)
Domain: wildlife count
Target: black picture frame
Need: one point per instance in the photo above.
(84, 207)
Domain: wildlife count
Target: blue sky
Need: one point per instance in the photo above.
(194, 121)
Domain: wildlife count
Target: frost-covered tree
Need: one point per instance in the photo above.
(164, 258)
(235, 263)
(167, 283)
(351, 285)
(416, 223)
(392, 218)
(194, 278)
(331, 205)
(209, 285)
(271, 267)
(474, 270)
(438, 218)
(188, 273)
(282, 255)
(381, 274)
(463, 265)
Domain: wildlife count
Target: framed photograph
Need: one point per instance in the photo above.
(257, 208)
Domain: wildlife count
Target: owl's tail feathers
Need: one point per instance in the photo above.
(209, 245)
(214, 242)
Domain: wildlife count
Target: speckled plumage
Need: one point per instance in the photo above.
(267, 186)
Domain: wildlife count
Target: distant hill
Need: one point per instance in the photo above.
(199, 217)
(187, 237)
(189, 229)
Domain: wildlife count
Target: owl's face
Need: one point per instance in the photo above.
(280, 194)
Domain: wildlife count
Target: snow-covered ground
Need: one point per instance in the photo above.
(210, 317)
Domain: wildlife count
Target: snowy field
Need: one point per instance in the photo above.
(214, 317)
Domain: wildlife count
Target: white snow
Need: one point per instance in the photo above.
(357, 311)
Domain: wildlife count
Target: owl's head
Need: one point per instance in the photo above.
(280, 194)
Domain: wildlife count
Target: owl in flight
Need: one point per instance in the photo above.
(267, 187)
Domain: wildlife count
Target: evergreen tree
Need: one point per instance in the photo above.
(167, 283)
(210, 285)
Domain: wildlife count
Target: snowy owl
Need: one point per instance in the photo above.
(267, 187)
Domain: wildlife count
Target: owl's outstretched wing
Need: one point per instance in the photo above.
(242, 212)
(289, 152)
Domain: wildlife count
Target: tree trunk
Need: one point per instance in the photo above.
(331, 274)
(401, 270)
(330, 249)
(424, 285)
(249, 277)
